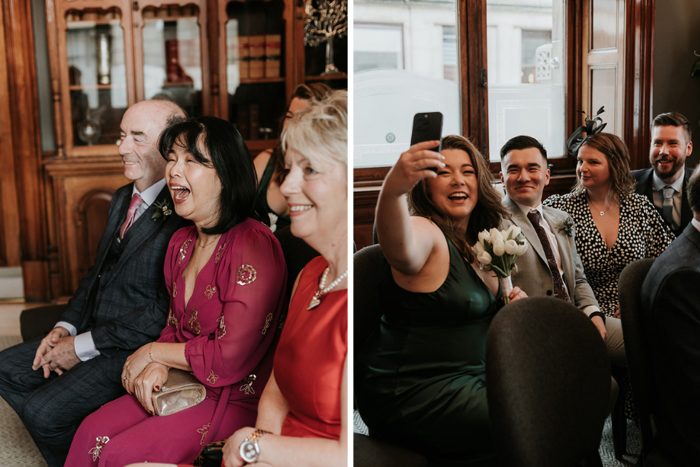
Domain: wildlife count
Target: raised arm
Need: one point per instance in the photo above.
(406, 242)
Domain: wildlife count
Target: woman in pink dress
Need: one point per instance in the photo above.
(226, 278)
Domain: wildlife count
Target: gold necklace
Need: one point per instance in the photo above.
(601, 212)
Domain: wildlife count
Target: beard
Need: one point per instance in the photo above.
(670, 172)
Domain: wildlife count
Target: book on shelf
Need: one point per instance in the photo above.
(244, 56)
(273, 49)
(257, 56)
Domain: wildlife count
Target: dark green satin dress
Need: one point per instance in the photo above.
(420, 379)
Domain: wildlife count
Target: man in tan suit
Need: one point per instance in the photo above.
(551, 267)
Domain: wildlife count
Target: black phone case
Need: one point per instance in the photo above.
(427, 126)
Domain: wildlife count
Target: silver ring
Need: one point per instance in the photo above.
(125, 378)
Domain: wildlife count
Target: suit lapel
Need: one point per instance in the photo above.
(520, 219)
(139, 232)
(114, 223)
(648, 185)
(555, 221)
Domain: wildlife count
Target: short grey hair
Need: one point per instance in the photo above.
(320, 130)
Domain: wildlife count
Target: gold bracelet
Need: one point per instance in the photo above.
(149, 353)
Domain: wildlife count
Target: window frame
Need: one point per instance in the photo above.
(473, 84)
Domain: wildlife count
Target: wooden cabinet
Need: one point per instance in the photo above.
(236, 59)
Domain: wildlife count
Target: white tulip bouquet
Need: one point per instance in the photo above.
(497, 251)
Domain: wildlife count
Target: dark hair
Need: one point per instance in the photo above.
(673, 119)
(314, 92)
(618, 156)
(693, 188)
(522, 142)
(487, 213)
(228, 155)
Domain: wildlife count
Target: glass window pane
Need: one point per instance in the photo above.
(171, 56)
(406, 61)
(97, 75)
(526, 61)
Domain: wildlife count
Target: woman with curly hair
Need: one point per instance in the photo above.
(423, 368)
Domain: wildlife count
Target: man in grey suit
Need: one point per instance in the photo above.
(54, 382)
(671, 324)
(551, 267)
(665, 183)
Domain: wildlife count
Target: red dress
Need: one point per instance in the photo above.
(310, 356)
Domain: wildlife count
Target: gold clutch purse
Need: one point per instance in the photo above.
(181, 391)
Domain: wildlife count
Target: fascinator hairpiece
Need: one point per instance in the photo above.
(593, 125)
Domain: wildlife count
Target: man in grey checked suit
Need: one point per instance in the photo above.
(524, 173)
(121, 303)
(666, 182)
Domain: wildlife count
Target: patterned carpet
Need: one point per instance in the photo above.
(16, 446)
(607, 452)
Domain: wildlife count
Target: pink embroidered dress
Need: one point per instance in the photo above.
(227, 326)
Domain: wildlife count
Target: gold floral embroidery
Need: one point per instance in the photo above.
(172, 320)
(246, 274)
(247, 386)
(222, 326)
(183, 250)
(218, 254)
(210, 291)
(203, 431)
(268, 320)
(212, 378)
(174, 289)
(97, 450)
(194, 324)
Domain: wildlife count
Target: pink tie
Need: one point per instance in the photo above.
(131, 213)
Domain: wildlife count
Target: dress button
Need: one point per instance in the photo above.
(549, 292)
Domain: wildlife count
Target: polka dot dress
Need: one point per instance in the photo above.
(643, 234)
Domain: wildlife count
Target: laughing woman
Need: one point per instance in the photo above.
(420, 378)
(302, 414)
(226, 278)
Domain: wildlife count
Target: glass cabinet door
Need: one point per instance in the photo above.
(96, 75)
(255, 77)
(173, 68)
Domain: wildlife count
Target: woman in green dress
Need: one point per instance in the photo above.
(420, 378)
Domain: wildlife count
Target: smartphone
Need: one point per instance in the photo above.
(427, 126)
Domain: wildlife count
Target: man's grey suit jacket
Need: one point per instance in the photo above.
(645, 186)
(534, 276)
(130, 297)
(671, 325)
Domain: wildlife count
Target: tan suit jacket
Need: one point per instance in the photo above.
(533, 274)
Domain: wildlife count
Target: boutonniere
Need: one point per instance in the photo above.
(163, 209)
(568, 226)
